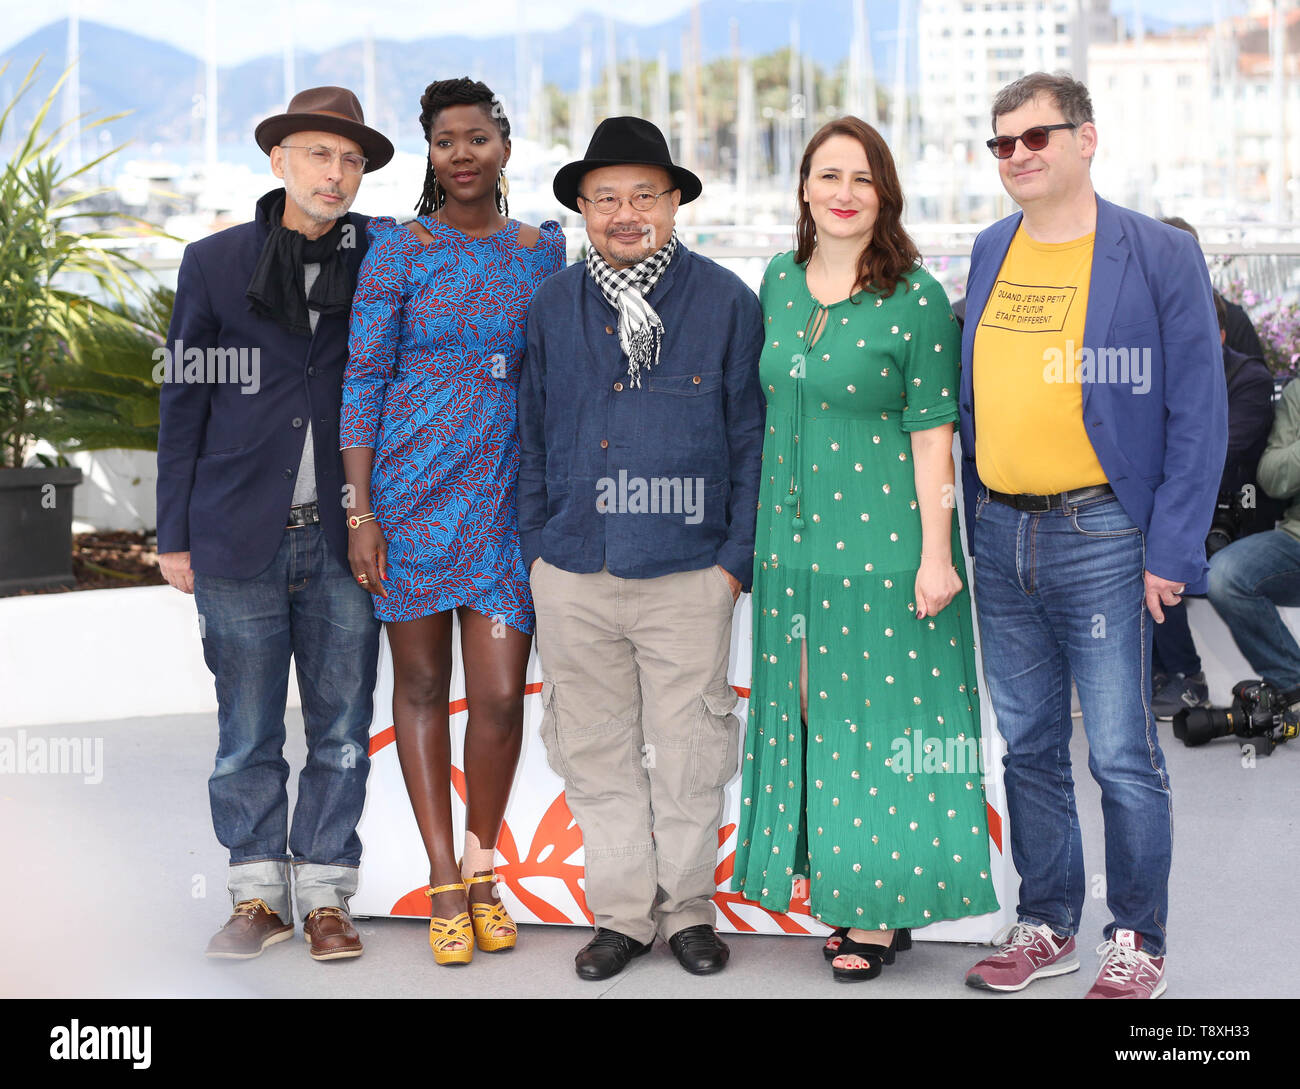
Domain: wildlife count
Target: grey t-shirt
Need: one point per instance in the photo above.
(304, 490)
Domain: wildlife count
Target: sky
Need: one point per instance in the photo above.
(251, 28)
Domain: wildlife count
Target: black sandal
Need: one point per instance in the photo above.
(830, 952)
(876, 956)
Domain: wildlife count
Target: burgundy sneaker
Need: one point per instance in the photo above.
(1027, 953)
(1126, 971)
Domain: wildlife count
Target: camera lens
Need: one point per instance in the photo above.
(1198, 725)
(1218, 539)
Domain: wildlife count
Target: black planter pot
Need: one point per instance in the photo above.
(36, 528)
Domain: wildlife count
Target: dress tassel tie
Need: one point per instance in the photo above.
(798, 373)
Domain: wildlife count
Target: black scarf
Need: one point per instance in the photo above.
(278, 290)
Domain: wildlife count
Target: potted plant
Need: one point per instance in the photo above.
(49, 237)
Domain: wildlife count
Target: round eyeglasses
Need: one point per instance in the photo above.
(324, 156)
(608, 204)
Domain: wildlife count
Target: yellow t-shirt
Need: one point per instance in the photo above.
(1029, 433)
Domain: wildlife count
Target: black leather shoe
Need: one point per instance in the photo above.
(699, 950)
(607, 954)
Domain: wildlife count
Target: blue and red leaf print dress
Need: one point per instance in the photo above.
(437, 334)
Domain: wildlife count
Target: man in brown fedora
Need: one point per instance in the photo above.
(251, 513)
(641, 427)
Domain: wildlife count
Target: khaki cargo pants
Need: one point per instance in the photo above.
(637, 721)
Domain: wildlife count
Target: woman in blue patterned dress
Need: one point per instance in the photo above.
(430, 450)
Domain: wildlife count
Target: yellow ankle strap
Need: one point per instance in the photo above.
(443, 888)
(480, 880)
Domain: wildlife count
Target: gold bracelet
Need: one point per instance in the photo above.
(356, 521)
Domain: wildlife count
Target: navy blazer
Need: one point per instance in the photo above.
(1163, 449)
(234, 414)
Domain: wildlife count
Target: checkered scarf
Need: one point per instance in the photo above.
(639, 327)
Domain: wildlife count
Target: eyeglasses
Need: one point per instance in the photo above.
(1034, 139)
(608, 204)
(324, 156)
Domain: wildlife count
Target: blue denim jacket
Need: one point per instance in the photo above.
(645, 481)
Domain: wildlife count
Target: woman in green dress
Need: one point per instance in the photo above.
(862, 766)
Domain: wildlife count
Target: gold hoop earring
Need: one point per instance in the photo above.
(503, 191)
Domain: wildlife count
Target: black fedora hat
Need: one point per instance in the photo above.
(326, 109)
(620, 141)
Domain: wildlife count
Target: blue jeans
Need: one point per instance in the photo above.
(1248, 581)
(1061, 594)
(305, 604)
(1173, 649)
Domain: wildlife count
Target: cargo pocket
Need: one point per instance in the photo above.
(593, 759)
(715, 741)
(549, 741)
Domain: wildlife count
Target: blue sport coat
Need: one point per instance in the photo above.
(1162, 450)
(227, 459)
(653, 480)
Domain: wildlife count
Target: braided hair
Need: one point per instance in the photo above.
(437, 97)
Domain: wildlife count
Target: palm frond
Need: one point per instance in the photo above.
(71, 369)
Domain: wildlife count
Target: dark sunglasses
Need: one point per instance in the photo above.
(1034, 139)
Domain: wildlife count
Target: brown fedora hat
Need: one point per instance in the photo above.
(326, 109)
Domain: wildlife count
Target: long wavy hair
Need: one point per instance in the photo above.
(891, 254)
(436, 98)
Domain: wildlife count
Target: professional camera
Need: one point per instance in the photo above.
(1258, 711)
(1231, 520)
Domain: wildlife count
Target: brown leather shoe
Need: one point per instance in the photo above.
(247, 932)
(331, 933)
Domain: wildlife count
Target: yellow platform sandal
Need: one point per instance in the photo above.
(491, 918)
(450, 932)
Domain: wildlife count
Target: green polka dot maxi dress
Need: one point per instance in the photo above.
(879, 801)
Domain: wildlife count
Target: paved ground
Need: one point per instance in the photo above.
(113, 889)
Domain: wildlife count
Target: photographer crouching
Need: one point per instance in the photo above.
(1254, 575)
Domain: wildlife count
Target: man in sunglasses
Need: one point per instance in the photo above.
(251, 513)
(1093, 429)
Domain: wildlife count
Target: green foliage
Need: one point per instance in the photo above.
(103, 394)
(48, 233)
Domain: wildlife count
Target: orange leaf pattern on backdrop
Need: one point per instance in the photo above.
(550, 855)
(556, 839)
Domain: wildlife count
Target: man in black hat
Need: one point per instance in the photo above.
(641, 427)
(251, 512)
